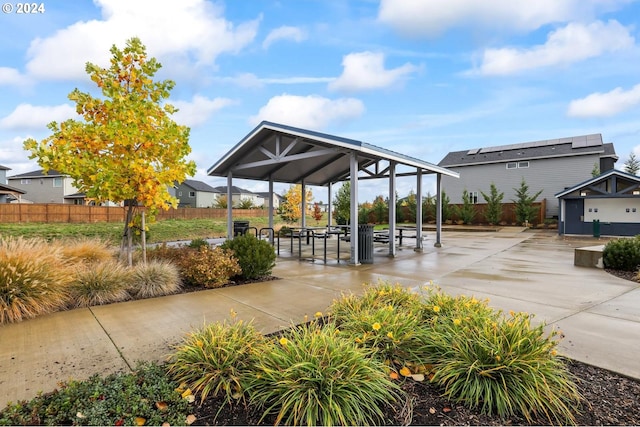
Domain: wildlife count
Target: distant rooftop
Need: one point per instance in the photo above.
(560, 147)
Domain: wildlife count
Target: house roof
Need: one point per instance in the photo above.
(7, 189)
(4, 168)
(38, 174)
(265, 195)
(602, 177)
(234, 190)
(199, 186)
(288, 154)
(544, 149)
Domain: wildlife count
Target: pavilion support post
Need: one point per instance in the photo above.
(354, 208)
(438, 243)
(418, 247)
(392, 209)
(330, 205)
(229, 206)
(270, 202)
(303, 207)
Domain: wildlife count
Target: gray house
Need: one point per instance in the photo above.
(8, 193)
(52, 187)
(549, 165)
(612, 199)
(238, 194)
(195, 194)
(263, 198)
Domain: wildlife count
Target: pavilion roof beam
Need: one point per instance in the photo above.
(320, 167)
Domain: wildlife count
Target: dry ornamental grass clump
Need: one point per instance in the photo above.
(99, 283)
(33, 279)
(154, 279)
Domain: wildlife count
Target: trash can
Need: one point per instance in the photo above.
(239, 227)
(365, 244)
(596, 228)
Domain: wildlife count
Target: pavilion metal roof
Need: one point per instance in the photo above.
(290, 155)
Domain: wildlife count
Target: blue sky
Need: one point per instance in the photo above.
(419, 77)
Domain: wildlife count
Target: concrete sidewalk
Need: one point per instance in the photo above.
(521, 271)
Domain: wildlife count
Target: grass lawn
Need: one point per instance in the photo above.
(161, 231)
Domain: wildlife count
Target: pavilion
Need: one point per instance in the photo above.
(280, 153)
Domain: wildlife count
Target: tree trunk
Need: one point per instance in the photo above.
(127, 236)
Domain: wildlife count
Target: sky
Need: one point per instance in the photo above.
(414, 76)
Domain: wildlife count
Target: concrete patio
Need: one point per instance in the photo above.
(521, 271)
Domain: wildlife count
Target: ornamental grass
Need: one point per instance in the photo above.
(314, 375)
(86, 250)
(215, 359)
(153, 279)
(99, 283)
(497, 364)
(33, 279)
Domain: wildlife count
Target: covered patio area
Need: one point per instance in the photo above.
(275, 152)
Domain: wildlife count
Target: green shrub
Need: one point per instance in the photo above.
(153, 279)
(33, 279)
(146, 396)
(99, 283)
(314, 376)
(256, 257)
(215, 359)
(622, 254)
(497, 364)
(198, 243)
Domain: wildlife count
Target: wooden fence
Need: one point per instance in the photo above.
(57, 213)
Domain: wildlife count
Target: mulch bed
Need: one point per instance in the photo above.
(609, 399)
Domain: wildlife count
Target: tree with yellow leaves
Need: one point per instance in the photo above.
(291, 206)
(127, 149)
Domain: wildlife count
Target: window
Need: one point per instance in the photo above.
(57, 182)
(473, 197)
(25, 181)
(179, 193)
(518, 165)
(192, 194)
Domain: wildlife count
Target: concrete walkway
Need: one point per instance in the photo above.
(521, 271)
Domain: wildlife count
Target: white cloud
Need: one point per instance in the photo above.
(430, 18)
(575, 42)
(365, 71)
(27, 116)
(189, 29)
(313, 112)
(12, 77)
(198, 110)
(605, 104)
(284, 33)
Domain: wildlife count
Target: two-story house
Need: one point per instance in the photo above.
(195, 194)
(7, 192)
(51, 187)
(549, 165)
(238, 194)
